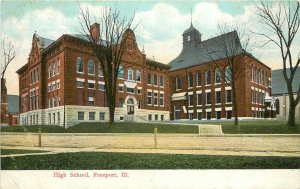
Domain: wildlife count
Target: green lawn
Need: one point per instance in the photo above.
(17, 151)
(103, 160)
(245, 127)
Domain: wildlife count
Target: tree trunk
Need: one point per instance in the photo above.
(235, 112)
(291, 119)
(112, 115)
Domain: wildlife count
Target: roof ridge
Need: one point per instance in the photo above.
(219, 36)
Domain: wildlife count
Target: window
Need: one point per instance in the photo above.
(91, 115)
(79, 65)
(101, 86)
(49, 87)
(162, 117)
(177, 110)
(155, 98)
(149, 98)
(208, 115)
(101, 115)
(199, 115)
(251, 73)
(58, 101)
(53, 102)
(228, 75)
(130, 74)
(79, 84)
(191, 116)
(149, 117)
(138, 76)
(139, 91)
(149, 79)
(121, 88)
(188, 38)
(121, 72)
(53, 68)
(58, 117)
(155, 79)
(228, 96)
(218, 114)
(228, 114)
(199, 99)
(156, 117)
(49, 117)
(178, 83)
(49, 71)
(91, 85)
(218, 97)
(161, 81)
(190, 100)
(130, 90)
(91, 67)
(121, 102)
(37, 75)
(207, 77)
(139, 104)
(58, 84)
(161, 99)
(252, 96)
(190, 80)
(218, 76)
(208, 98)
(80, 115)
(199, 80)
(58, 66)
(100, 71)
(91, 101)
(53, 86)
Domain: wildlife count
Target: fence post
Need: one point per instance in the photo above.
(40, 137)
(155, 138)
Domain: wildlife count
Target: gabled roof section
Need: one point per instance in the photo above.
(13, 104)
(213, 49)
(159, 64)
(43, 42)
(279, 85)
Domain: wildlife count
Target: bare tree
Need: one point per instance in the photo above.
(283, 22)
(7, 57)
(227, 53)
(109, 49)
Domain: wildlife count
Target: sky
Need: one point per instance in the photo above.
(160, 25)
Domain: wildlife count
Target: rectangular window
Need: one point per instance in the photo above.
(53, 69)
(130, 90)
(58, 100)
(149, 117)
(218, 97)
(162, 117)
(79, 84)
(139, 104)
(218, 114)
(199, 115)
(121, 101)
(101, 115)
(252, 96)
(58, 117)
(58, 85)
(228, 114)
(155, 79)
(161, 81)
(53, 86)
(139, 91)
(91, 101)
(121, 88)
(49, 117)
(155, 98)
(149, 98)
(178, 83)
(156, 117)
(199, 99)
(161, 99)
(58, 67)
(91, 85)
(228, 96)
(190, 100)
(80, 115)
(91, 115)
(208, 115)
(49, 71)
(149, 79)
(208, 98)
(49, 87)
(199, 80)
(191, 116)
(101, 86)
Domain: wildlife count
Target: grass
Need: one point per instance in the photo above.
(245, 127)
(17, 151)
(104, 160)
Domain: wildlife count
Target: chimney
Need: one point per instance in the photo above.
(95, 30)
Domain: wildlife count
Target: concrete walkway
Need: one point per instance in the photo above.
(242, 145)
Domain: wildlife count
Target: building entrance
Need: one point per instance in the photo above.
(130, 106)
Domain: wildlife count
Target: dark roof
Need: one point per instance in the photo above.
(191, 28)
(44, 42)
(23, 68)
(13, 104)
(278, 83)
(159, 64)
(207, 51)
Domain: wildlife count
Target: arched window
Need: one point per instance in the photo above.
(121, 72)
(218, 75)
(190, 80)
(207, 77)
(91, 67)
(79, 65)
(130, 74)
(228, 75)
(100, 71)
(199, 79)
(130, 101)
(138, 76)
